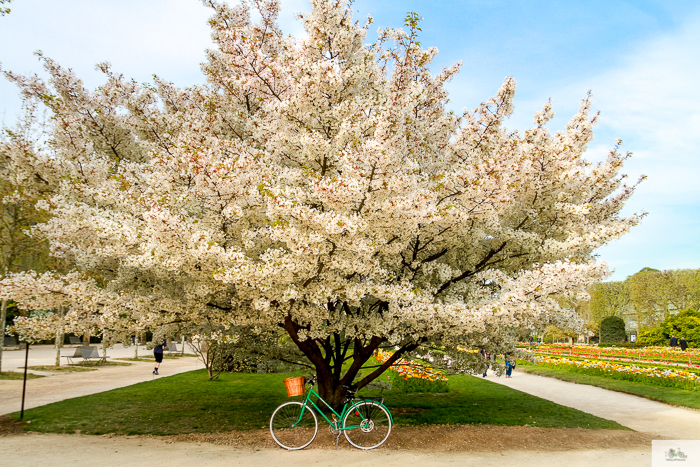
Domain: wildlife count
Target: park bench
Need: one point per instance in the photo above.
(90, 353)
(75, 340)
(76, 354)
(86, 353)
(172, 348)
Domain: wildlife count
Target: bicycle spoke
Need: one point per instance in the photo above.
(293, 426)
(367, 425)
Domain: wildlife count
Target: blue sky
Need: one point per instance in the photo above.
(640, 59)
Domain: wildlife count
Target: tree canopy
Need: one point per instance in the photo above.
(318, 186)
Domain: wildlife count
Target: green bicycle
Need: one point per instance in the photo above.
(366, 423)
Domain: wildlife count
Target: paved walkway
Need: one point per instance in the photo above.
(59, 386)
(631, 411)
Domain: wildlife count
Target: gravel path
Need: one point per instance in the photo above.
(634, 412)
(60, 386)
(71, 450)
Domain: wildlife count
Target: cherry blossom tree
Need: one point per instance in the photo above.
(319, 186)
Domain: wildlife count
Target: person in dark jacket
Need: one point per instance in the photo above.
(158, 353)
(510, 364)
(674, 341)
(684, 344)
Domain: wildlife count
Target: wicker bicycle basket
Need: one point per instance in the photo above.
(294, 386)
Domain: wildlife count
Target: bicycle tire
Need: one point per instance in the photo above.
(287, 432)
(372, 422)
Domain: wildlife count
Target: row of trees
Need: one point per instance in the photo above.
(19, 250)
(316, 193)
(646, 298)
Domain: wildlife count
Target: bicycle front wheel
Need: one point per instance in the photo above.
(293, 425)
(367, 425)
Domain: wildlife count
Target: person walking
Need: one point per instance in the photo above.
(684, 344)
(510, 364)
(158, 353)
(483, 353)
(674, 341)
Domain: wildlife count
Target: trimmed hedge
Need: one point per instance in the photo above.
(612, 330)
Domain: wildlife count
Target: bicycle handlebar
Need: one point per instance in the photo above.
(313, 378)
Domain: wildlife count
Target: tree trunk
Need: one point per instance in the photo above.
(59, 338)
(328, 356)
(3, 317)
(86, 338)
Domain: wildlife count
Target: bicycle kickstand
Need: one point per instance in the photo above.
(337, 438)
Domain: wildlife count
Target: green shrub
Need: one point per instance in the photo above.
(653, 336)
(684, 324)
(612, 330)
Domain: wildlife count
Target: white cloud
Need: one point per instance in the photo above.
(651, 101)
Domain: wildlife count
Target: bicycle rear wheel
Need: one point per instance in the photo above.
(367, 425)
(293, 426)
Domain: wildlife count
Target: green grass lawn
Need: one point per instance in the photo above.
(190, 403)
(673, 396)
(7, 375)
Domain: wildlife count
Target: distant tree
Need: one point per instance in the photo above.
(593, 328)
(609, 299)
(680, 288)
(19, 250)
(684, 324)
(655, 294)
(612, 330)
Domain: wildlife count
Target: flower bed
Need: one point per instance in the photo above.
(412, 376)
(643, 374)
(664, 355)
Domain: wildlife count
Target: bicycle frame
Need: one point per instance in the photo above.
(347, 407)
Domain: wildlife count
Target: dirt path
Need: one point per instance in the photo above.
(631, 411)
(70, 450)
